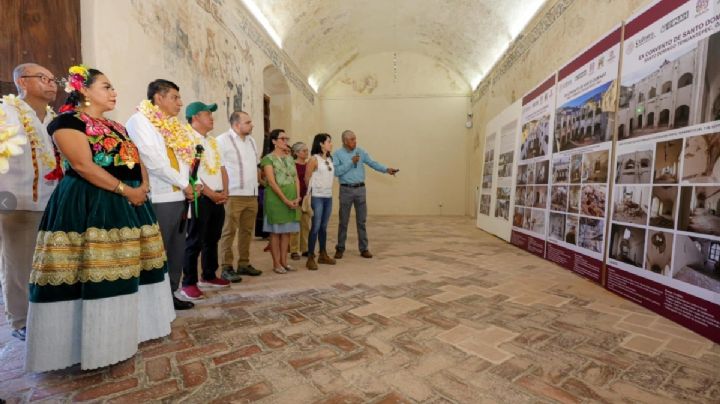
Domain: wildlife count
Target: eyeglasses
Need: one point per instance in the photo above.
(287, 139)
(44, 79)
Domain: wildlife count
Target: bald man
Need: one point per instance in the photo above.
(26, 187)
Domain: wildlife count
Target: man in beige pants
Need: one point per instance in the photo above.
(26, 186)
(240, 156)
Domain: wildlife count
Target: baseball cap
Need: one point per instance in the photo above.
(194, 107)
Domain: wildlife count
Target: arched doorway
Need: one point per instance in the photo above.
(650, 120)
(278, 109)
(664, 118)
(682, 116)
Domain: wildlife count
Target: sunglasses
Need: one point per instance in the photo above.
(330, 167)
(44, 79)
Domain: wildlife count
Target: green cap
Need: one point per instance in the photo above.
(194, 107)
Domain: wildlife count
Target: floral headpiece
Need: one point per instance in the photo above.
(78, 78)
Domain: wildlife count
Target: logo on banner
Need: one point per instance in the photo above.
(630, 47)
(701, 6)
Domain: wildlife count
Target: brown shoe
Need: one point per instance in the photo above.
(324, 258)
(295, 256)
(366, 254)
(338, 254)
(311, 265)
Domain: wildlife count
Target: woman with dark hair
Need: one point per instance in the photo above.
(282, 199)
(319, 177)
(98, 286)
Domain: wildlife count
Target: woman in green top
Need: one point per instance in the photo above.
(282, 199)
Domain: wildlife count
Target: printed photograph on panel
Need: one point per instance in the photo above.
(627, 244)
(576, 168)
(696, 261)
(522, 174)
(631, 204)
(675, 91)
(591, 234)
(539, 197)
(505, 165)
(571, 229)
(537, 222)
(484, 205)
(634, 167)
(541, 172)
(518, 217)
(502, 203)
(557, 226)
(659, 252)
(662, 206)
(702, 159)
(595, 167)
(592, 202)
(520, 196)
(699, 210)
(574, 198)
(535, 138)
(559, 198)
(667, 161)
(585, 120)
(561, 169)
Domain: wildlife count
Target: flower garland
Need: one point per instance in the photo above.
(177, 136)
(37, 145)
(212, 170)
(10, 143)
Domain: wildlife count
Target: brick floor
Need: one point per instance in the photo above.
(443, 313)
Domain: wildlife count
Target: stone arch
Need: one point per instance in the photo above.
(682, 116)
(666, 87)
(685, 80)
(278, 100)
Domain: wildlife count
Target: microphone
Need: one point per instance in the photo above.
(355, 163)
(194, 168)
(199, 150)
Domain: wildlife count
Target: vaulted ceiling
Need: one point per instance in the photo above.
(468, 36)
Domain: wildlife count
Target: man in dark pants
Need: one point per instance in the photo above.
(168, 169)
(349, 164)
(206, 224)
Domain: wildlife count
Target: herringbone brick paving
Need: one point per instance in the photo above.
(443, 314)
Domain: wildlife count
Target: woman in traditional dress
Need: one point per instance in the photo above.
(282, 199)
(99, 285)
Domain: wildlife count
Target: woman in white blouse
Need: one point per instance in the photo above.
(319, 176)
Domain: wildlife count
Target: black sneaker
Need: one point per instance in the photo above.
(231, 275)
(20, 333)
(249, 270)
(182, 304)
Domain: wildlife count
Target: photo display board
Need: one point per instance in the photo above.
(664, 247)
(488, 178)
(583, 133)
(497, 190)
(530, 211)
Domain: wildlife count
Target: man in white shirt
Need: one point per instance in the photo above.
(207, 222)
(26, 187)
(168, 169)
(240, 157)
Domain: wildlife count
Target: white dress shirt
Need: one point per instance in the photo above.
(19, 179)
(240, 158)
(213, 181)
(153, 152)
